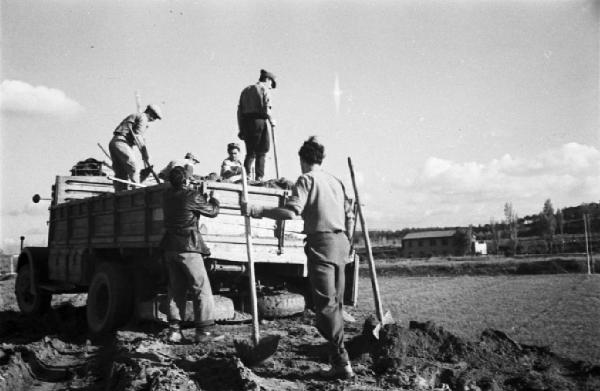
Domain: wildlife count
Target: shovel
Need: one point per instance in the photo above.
(383, 318)
(255, 351)
(275, 152)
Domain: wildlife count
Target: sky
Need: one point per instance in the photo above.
(448, 109)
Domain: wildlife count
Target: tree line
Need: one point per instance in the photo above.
(548, 231)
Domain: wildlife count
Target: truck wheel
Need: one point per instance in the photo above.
(280, 305)
(109, 300)
(223, 308)
(30, 303)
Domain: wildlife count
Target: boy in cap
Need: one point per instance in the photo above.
(231, 168)
(184, 254)
(254, 117)
(130, 133)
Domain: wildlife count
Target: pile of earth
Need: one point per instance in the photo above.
(425, 356)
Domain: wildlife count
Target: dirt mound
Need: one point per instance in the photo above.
(425, 356)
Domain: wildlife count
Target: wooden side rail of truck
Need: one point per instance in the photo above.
(108, 246)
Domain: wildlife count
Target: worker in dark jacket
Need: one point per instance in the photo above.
(184, 253)
(321, 200)
(254, 118)
(129, 134)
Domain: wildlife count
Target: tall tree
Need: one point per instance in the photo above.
(495, 234)
(512, 225)
(462, 242)
(560, 221)
(548, 221)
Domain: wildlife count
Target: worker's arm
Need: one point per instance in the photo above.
(137, 127)
(268, 107)
(349, 216)
(203, 207)
(229, 170)
(293, 207)
(275, 213)
(239, 117)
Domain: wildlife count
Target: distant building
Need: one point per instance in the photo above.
(435, 243)
(480, 247)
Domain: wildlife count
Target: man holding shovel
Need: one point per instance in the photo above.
(130, 133)
(321, 200)
(254, 118)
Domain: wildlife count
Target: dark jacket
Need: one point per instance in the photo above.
(181, 210)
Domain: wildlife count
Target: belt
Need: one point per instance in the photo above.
(334, 232)
(181, 231)
(120, 137)
(255, 116)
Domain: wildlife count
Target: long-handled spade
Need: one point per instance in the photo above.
(259, 349)
(383, 318)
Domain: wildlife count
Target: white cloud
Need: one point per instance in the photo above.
(22, 98)
(448, 193)
(28, 209)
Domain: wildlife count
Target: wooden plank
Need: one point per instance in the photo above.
(103, 225)
(226, 239)
(68, 188)
(235, 187)
(263, 254)
(79, 227)
(131, 222)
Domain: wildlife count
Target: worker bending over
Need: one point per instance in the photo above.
(321, 200)
(130, 133)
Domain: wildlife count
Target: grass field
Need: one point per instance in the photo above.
(561, 311)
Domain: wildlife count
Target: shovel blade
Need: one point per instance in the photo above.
(387, 319)
(252, 354)
(145, 173)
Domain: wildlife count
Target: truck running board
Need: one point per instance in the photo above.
(57, 287)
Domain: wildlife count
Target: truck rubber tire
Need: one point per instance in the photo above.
(30, 303)
(280, 305)
(109, 300)
(223, 308)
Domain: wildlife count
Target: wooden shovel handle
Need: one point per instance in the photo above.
(251, 275)
(365, 230)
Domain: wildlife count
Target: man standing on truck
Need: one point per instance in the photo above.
(254, 117)
(130, 133)
(184, 254)
(321, 200)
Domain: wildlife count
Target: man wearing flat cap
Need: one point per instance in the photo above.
(189, 160)
(254, 118)
(184, 252)
(130, 133)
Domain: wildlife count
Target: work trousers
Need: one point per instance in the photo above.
(123, 162)
(187, 272)
(258, 143)
(326, 254)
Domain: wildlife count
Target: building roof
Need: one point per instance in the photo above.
(430, 234)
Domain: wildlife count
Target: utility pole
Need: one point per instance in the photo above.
(587, 248)
(138, 101)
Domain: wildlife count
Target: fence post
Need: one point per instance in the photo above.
(587, 248)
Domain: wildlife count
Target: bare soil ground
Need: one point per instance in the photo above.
(468, 353)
